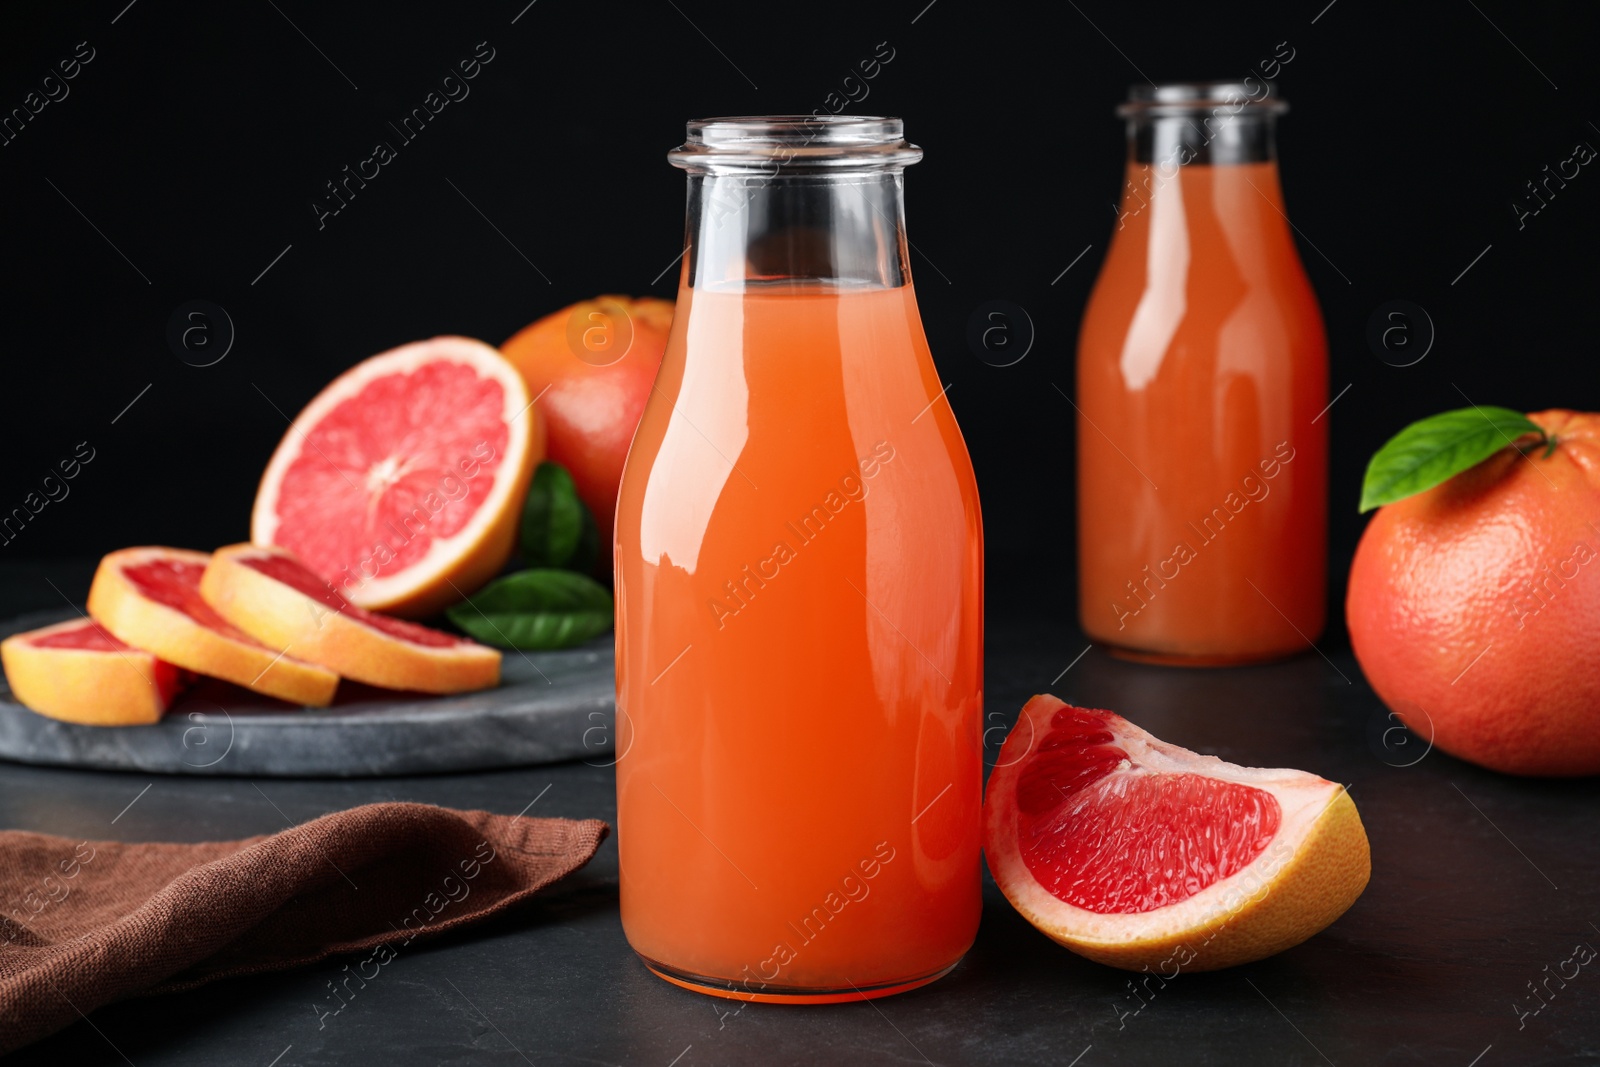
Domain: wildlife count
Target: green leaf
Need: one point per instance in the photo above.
(536, 609)
(556, 526)
(1435, 449)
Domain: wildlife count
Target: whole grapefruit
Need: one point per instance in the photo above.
(591, 366)
(1474, 607)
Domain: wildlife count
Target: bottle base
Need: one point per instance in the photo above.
(770, 993)
(1202, 659)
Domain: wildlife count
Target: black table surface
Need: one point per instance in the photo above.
(1482, 886)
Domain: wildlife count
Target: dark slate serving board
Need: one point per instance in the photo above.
(549, 706)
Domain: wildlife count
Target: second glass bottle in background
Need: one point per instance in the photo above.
(1202, 383)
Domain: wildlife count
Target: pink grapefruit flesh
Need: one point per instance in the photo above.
(85, 634)
(174, 581)
(401, 482)
(1167, 837)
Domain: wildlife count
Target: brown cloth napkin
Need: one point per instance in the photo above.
(86, 923)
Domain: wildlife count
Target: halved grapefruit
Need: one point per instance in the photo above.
(401, 482)
(1140, 854)
(278, 600)
(76, 671)
(150, 598)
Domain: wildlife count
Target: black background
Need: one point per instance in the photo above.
(199, 135)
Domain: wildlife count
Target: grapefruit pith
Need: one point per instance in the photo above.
(1137, 853)
(150, 598)
(401, 482)
(77, 671)
(275, 598)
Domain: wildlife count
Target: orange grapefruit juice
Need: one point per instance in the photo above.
(1202, 460)
(799, 652)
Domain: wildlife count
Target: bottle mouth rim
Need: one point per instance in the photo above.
(1257, 97)
(769, 142)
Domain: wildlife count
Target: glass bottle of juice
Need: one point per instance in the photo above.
(1202, 389)
(799, 577)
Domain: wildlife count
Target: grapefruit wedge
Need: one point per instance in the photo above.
(275, 598)
(402, 481)
(1140, 854)
(76, 671)
(150, 598)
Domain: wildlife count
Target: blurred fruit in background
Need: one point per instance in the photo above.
(591, 367)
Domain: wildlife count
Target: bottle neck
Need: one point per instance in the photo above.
(1199, 180)
(808, 230)
(1213, 137)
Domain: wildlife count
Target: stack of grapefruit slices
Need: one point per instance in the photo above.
(254, 616)
(396, 489)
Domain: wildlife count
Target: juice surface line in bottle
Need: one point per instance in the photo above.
(799, 576)
(1202, 395)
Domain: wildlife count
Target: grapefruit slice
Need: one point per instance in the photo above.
(1140, 854)
(150, 599)
(76, 671)
(275, 598)
(401, 482)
